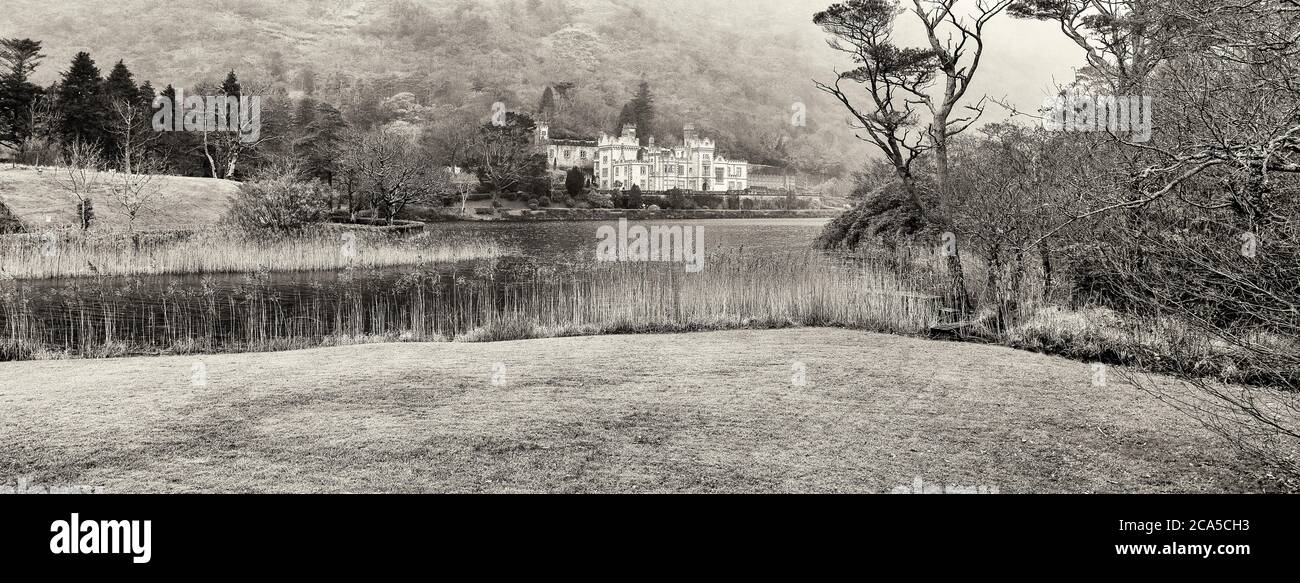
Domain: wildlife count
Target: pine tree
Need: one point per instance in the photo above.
(643, 107)
(146, 95)
(546, 108)
(18, 57)
(324, 142)
(231, 86)
(120, 85)
(626, 116)
(81, 99)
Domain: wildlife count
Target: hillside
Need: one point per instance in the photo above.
(36, 198)
(737, 70)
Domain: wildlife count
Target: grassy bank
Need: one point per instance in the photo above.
(708, 412)
(186, 203)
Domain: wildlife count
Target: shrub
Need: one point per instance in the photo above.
(653, 207)
(574, 180)
(544, 201)
(532, 204)
(9, 222)
(86, 213)
(278, 205)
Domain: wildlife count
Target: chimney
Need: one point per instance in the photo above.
(651, 141)
(688, 132)
(629, 130)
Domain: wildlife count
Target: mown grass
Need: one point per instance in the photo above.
(708, 412)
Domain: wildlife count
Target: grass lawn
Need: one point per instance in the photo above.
(185, 203)
(700, 412)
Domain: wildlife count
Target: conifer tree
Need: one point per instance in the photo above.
(81, 102)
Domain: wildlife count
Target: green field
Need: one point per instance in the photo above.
(700, 412)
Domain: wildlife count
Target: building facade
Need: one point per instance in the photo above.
(621, 162)
(563, 153)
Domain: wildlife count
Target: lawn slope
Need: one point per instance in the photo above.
(715, 411)
(185, 203)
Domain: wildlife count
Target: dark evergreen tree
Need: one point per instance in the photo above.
(81, 102)
(323, 143)
(120, 85)
(626, 116)
(18, 95)
(231, 85)
(546, 108)
(120, 91)
(146, 95)
(180, 149)
(574, 180)
(634, 197)
(643, 110)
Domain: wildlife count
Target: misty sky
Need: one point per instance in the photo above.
(1023, 60)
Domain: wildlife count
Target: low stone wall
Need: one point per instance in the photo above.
(399, 227)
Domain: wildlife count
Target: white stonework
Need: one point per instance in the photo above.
(563, 154)
(622, 162)
(618, 162)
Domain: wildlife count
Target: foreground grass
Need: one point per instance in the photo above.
(697, 412)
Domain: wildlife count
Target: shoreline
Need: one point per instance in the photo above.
(565, 214)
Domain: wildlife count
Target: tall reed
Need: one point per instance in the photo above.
(71, 253)
(485, 301)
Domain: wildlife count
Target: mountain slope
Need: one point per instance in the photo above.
(739, 70)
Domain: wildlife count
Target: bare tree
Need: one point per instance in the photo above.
(504, 154)
(898, 81)
(136, 191)
(232, 134)
(391, 171)
(130, 128)
(81, 167)
(1209, 236)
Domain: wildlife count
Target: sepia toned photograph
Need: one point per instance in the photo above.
(406, 247)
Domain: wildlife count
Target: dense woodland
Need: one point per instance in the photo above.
(728, 71)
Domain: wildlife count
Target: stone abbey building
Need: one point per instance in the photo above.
(619, 162)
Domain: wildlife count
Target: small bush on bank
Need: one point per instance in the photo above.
(278, 206)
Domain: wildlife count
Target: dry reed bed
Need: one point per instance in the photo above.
(71, 254)
(569, 299)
